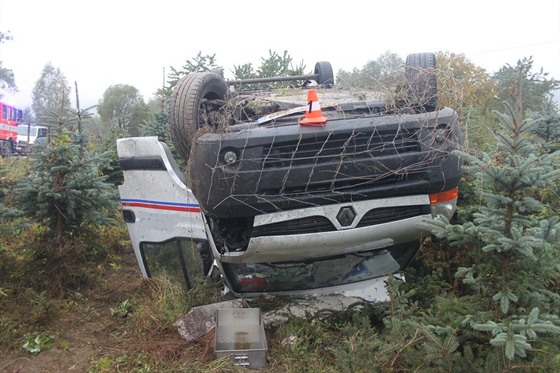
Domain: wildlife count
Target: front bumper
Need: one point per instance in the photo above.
(268, 169)
(288, 236)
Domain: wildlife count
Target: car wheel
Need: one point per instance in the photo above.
(324, 72)
(195, 103)
(422, 81)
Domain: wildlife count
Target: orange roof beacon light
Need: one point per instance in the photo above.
(313, 115)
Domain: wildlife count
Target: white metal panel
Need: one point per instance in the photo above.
(163, 206)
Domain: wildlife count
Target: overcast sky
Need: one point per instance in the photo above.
(101, 43)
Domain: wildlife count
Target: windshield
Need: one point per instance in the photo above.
(326, 272)
(22, 130)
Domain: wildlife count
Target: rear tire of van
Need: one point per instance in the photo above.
(422, 81)
(196, 103)
(324, 72)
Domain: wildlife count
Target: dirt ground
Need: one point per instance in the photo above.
(86, 331)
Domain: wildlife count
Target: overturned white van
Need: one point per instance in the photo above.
(281, 204)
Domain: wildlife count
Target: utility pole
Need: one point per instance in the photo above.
(163, 90)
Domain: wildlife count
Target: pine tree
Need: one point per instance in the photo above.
(158, 126)
(64, 190)
(7, 213)
(514, 239)
(549, 128)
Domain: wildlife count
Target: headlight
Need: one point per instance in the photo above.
(444, 203)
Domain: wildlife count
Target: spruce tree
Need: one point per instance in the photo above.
(549, 128)
(65, 190)
(158, 126)
(7, 213)
(514, 239)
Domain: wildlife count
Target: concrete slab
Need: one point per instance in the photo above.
(201, 320)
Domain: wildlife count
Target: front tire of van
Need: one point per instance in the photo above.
(196, 103)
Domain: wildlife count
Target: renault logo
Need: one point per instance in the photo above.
(346, 216)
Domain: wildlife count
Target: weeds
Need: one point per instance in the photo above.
(121, 363)
(124, 309)
(38, 343)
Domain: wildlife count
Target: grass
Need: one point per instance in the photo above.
(15, 167)
(119, 322)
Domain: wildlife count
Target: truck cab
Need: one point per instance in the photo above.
(29, 135)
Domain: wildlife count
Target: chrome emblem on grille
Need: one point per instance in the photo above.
(346, 216)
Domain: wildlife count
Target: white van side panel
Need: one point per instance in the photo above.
(162, 206)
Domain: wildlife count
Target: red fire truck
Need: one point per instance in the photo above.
(10, 117)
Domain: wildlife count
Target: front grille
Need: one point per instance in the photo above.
(332, 148)
(390, 214)
(337, 186)
(319, 224)
(311, 224)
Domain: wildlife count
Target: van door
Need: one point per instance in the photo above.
(163, 217)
